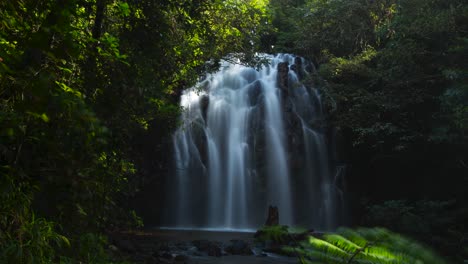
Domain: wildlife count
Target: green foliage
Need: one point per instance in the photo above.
(365, 245)
(275, 233)
(383, 61)
(24, 237)
(35, 242)
(439, 223)
(87, 89)
(91, 248)
(394, 78)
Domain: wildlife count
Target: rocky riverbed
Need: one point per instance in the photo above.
(193, 247)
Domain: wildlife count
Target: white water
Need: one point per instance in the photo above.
(234, 150)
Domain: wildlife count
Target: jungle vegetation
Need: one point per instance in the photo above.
(82, 82)
(395, 75)
(89, 90)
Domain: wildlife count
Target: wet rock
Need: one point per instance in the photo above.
(164, 247)
(214, 251)
(239, 247)
(113, 248)
(282, 80)
(204, 103)
(288, 106)
(208, 247)
(273, 247)
(200, 140)
(310, 67)
(182, 246)
(295, 136)
(299, 68)
(296, 162)
(181, 258)
(201, 245)
(254, 93)
(250, 75)
(199, 254)
(164, 261)
(294, 68)
(151, 260)
(166, 255)
(126, 245)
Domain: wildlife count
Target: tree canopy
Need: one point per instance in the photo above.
(82, 84)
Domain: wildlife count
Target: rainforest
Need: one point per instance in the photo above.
(233, 131)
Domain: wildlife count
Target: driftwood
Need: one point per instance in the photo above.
(273, 216)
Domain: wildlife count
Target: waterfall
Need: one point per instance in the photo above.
(249, 139)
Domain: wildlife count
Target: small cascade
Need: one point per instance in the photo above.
(249, 139)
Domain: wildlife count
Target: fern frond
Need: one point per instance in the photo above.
(408, 250)
(342, 243)
(378, 254)
(353, 236)
(366, 246)
(323, 246)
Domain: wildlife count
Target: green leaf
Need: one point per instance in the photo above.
(124, 9)
(68, 89)
(81, 211)
(42, 116)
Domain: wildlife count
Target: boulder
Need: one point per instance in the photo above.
(208, 247)
(214, 251)
(126, 246)
(202, 245)
(239, 247)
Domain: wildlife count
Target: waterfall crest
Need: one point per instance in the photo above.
(249, 139)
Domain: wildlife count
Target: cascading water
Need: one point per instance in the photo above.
(249, 139)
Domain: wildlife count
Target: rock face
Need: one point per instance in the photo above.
(204, 103)
(298, 67)
(250, 139)
(255, 92)
(283, 70)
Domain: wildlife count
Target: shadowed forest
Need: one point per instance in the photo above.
(89, 101)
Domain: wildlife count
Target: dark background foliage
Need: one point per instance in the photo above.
(395, 76)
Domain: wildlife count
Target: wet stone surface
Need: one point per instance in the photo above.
(190, 247)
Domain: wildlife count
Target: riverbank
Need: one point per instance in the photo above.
(155, 246)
